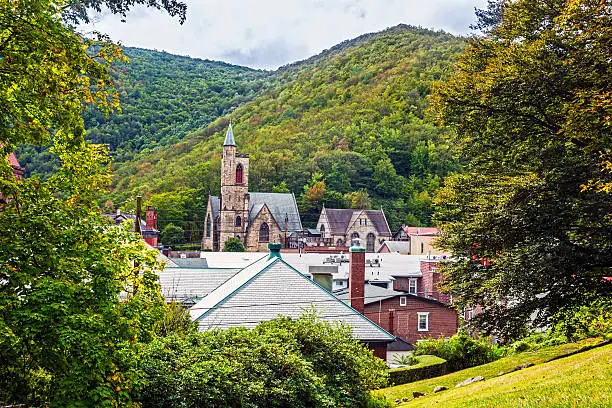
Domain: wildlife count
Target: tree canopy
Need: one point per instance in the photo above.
(529, 221)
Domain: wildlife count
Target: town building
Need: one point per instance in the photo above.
(256, 219)
(421, 239)
(148, 226)
(18, 171)
(271, 287)
(342, 226)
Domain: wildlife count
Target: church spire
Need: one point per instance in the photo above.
(229, 136)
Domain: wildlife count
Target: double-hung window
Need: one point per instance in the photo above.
(412, 286)
(423, 321)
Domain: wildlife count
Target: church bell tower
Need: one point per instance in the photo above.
(234, 205)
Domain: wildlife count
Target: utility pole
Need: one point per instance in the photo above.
(138, 214)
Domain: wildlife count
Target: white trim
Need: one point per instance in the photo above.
(426, 314)
(403, 300)
(416, 288)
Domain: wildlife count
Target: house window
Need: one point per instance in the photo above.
(470, 313)
(412, 286)
(208, 226)
(423, 318)
(264, 233)
(422, 247)
(370, 241)
(239, 174)
(403, 301)
(238, 221)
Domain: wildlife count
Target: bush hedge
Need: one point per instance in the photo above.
(429, 367)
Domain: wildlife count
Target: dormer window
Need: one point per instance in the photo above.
(239, 172)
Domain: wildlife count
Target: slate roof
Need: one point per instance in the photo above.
(270, 287)
(229, 137)
(214, 203)
(280, 205)
(339, 220)
(380, 222)
(186, 284)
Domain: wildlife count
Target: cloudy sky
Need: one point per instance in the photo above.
(270, 33)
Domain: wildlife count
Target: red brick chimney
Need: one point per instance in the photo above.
(357, 277)
(151, 218)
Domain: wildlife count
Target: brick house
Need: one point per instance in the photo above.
(407, 316)
(254, 218)
(426, 285)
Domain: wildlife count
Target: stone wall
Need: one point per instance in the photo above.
(252, 234)
(234, 196)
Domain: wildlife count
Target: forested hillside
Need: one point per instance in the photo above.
(163, 98)
(346, 128)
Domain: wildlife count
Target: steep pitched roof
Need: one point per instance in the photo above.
(374, 294)
(281, 205)
(420, 231)
(13, 160)
(338, 219)
(380, 222)
(229, 137)
(214, 203)
(271, 287)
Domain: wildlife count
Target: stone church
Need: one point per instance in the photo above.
(256, 219)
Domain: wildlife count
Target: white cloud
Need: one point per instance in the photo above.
(270, 33)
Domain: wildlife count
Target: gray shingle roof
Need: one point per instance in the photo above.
(270, 287)
(214, 203)
(338, 219)
(372, 294)
(380, 222)
(190, 262)
(184, 284)
(280, 205)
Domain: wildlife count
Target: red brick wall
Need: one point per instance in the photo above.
(379, 351)
(402, 321)
(357, 280)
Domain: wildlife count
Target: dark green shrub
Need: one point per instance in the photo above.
(461, 351)
(580, 322)
(419, 372)
(282, 363)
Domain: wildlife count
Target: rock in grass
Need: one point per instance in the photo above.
(470, 381)
(440, 388)
(417, 394)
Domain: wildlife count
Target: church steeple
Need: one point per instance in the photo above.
(229, 136)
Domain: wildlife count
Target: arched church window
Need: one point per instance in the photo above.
(322, 229)
(239, 173)
(208, 226)
(370, 240)
(238, 221)
(264, 233)
(354, 235)
(339, 242)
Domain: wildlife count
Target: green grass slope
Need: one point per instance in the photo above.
(579, 380)
(352, 118)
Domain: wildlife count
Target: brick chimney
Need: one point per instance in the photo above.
(357, 277)
(151, 219)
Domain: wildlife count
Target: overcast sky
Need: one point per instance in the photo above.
(270, 33)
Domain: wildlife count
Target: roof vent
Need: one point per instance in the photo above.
(274, 250)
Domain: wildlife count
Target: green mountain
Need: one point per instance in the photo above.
(163, 98)
(347, 127)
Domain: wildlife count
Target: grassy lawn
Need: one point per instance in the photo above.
(424, 361)
(582, 380)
